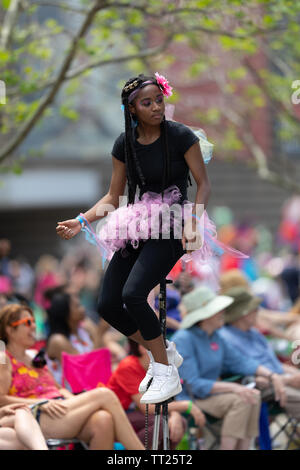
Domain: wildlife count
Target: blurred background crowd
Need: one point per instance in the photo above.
(272, 270)
(63, 292)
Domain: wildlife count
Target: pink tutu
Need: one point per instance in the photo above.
(145, 219)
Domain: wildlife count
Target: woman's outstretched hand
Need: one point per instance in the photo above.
(68, 229)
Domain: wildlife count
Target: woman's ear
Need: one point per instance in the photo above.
(8, 331)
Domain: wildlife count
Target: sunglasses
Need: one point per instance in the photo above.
(28, 321)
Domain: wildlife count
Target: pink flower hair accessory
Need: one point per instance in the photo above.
(164, 85)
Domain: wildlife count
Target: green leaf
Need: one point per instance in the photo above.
(68, 113)
(17, 169)
(5, 4)
(28, 87)
(179, 38)
(231, 141)
(259, 101)
(72, 87)
(4, 57)
(135, 18)
(55, 27)
(213, 115)
(31, 9)
(238, 73)
(27, 70)
(197, 68)
(268, 20)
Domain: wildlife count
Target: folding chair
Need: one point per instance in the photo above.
(80, 373)
(66, 444)
(288, 426)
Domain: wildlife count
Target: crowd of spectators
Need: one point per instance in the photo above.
(51, 308)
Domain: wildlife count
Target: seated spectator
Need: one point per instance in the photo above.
(233, 278)
(206, 358)
(3, 300)
(5, 249)
(22, 276)
(268, 321)
(240, 318)
(17, 437)
(69, 331)
(184, 283)
(95, 417)
(291, 321)
(125, 383)
(47, 276)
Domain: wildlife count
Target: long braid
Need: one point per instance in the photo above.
(130, 170)
(135, 175)
(166, 171)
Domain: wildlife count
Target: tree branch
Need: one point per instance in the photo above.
(9, 22)
(276, 60)
(48, 99)
(223, 32)
(260, 157)
(162, 12)
(76, 72)
(63, 6)
(268, 93)
(132, 6)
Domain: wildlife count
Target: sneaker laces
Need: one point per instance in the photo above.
(158, 381)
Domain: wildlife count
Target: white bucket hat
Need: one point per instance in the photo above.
(202, 303)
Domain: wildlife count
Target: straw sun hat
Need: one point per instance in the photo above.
(244, 303)
(202, 303)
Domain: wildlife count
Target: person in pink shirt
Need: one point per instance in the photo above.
(95, 417)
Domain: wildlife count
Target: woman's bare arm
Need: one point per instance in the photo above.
(196, 164)
(67, 229)
(192, 238)
(58, 344)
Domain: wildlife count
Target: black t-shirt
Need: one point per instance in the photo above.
(151, 157)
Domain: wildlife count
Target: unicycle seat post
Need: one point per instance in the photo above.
(163, 406)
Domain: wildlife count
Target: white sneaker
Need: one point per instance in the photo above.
(165, 384)
(174, 358)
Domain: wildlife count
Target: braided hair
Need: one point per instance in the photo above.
(134, 172)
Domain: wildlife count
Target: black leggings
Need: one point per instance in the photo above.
(128, 280)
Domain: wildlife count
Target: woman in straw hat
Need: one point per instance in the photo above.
(206, 357)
